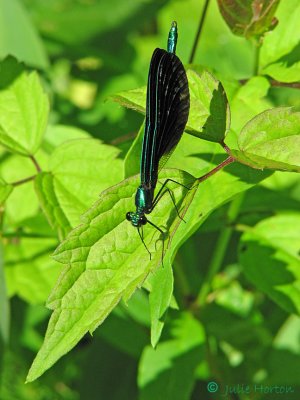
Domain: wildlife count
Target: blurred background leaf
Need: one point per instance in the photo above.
(274, 243)
(19, 37)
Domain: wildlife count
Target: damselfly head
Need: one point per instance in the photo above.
(136, 219)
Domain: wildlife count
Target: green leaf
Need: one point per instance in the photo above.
(103, 253)
(24, 108)
(79, 170)
(134, 99)
(233, 297)
(160, 299)
(5, 190)
(250, 18)
(168, 372)
(271, 140)
(285, 349)
(279, 56)
(44, 187)
(22, 202)
(248, 101)
(137, 307)
(288, 336)
(98, 274)
(18, 35)
(30, 272)
(269, 253)
(132, 158)
(58, 134)
(209, 116)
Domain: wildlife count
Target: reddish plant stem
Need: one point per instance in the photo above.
(122, 139)
(225, 147)
(274, 83)
(36, 164)
(25, 180)
(223, 164)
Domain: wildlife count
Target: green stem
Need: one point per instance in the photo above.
(200, 27)
(220, 249)
(256, 58)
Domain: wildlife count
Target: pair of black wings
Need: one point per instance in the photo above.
(167, 109)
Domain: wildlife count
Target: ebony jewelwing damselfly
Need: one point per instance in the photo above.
(167, 109)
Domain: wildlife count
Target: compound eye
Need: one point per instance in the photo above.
(128, 216)
(143, 220)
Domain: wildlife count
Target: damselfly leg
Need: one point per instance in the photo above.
(164, 190)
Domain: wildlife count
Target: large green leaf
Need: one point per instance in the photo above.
(269, 253)
(209, 116)
(106, 259)
(168, 372)
(250, 17)
(271, 140)
(79, 170)
(280, 54)
(24, 108)
(97, 276)
(18, 36)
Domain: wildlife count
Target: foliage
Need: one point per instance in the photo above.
(219, 299)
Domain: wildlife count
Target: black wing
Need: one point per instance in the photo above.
(167, 109)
